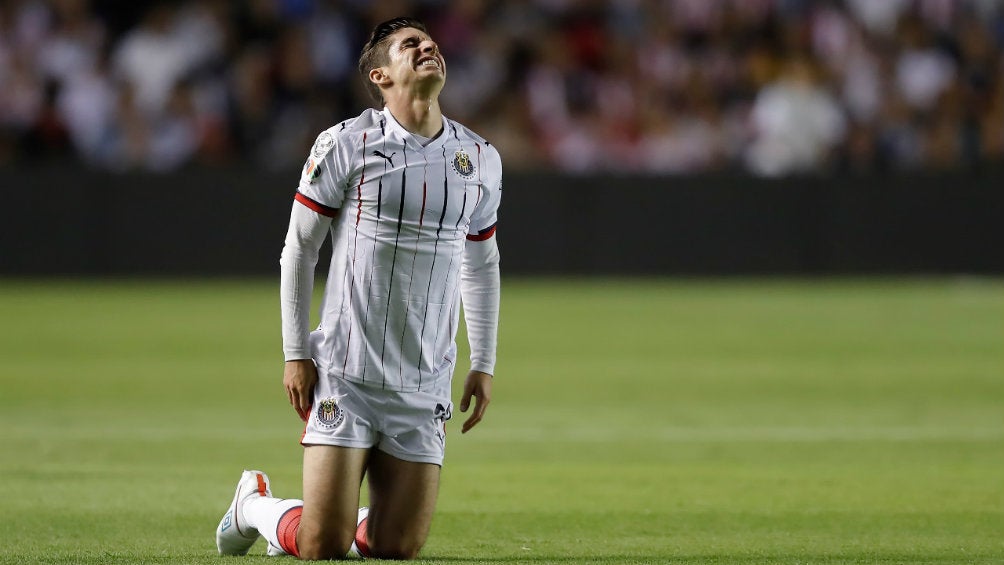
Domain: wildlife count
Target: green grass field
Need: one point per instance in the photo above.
(690, 421)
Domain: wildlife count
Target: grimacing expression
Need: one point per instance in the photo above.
(412, 54)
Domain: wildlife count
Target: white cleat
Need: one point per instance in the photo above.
(274, 551)
(364, 512)
(234, 536)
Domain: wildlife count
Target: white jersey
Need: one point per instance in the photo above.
(403, 213)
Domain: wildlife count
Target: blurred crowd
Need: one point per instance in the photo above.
(772, 87)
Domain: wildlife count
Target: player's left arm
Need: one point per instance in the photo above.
(480, 289)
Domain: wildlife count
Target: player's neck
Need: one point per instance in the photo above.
(419, 116)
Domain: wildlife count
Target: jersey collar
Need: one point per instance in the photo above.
(409, 138)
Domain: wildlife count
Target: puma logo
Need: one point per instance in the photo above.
(389, 159)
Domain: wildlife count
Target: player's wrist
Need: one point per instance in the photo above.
(483, 367)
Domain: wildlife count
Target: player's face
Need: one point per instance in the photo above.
(414, 56)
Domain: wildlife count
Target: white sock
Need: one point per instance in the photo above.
(265, 514)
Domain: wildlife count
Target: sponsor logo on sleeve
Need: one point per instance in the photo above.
(311, 170)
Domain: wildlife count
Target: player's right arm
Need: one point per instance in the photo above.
(315, 206)
(307, 230)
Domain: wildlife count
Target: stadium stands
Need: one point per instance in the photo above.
(769, 87)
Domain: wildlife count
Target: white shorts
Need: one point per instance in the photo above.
(410, 426)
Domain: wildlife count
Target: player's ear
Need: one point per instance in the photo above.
(379, 77)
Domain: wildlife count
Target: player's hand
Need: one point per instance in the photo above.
(478, 385)
(299, 378)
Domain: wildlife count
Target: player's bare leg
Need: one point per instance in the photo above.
(331, 479)
(402, 500)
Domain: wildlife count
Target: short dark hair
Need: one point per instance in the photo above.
(374, 53)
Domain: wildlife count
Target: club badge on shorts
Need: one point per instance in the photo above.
(463, 165)
(329, 414)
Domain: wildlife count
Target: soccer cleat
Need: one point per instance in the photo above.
(274, 551)
(357, 549)
(234, 536)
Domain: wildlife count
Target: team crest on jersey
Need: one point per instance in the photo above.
(329, 413)
(323, 143)
(463, 165)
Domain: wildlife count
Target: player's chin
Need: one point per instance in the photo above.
(433, 73)
(433, 80)
(431, 70)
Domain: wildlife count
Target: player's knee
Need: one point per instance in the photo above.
(322, 551)
(316, 545)
(395, 549)
(398, 554)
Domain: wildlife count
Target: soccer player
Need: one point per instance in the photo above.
(409, 199)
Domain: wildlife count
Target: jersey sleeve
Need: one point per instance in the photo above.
(321, 186)
(485, 214)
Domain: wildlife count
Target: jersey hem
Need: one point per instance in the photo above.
(426, 386)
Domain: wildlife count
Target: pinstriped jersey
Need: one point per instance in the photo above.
(402, 214)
